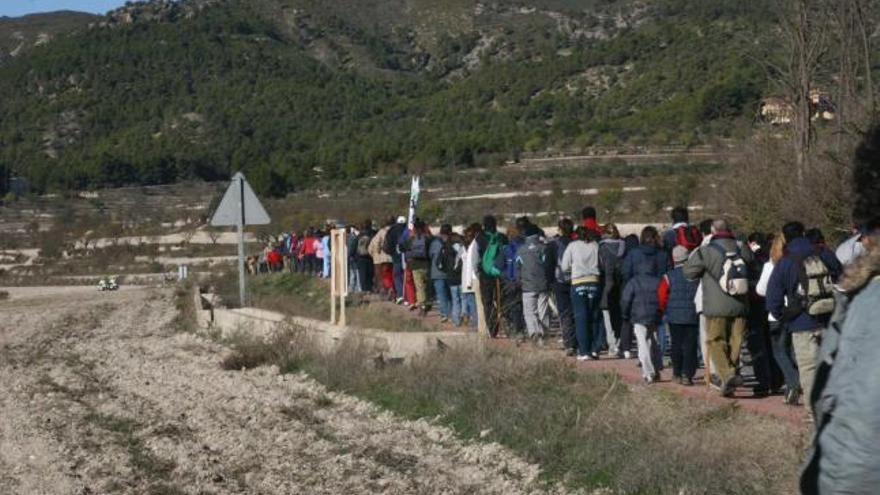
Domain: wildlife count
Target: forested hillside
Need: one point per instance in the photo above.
(295, 90)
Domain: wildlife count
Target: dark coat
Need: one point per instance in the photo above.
(611, 254)
(640, 303)
(644, 260)
(681, 309)
(785, 281)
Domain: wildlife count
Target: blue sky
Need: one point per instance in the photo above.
(14, 8)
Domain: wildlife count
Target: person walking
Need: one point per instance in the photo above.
(612, 249)
(453, 268)
(442, 267)
(648, 258)
(676, 296)
(511, 287)
(392, 249)
(384, 279)
(780, 338)
(490, 244)
(581, 261)
(416, 244)
(531, 257)
(364, 259)
(800, 294)
(721, 267)
(681, 233)
(325, 252)
(561, 284)
(469, 273)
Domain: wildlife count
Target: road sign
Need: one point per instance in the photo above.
(231, 209)
(240, 207)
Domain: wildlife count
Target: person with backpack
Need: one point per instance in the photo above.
(780, 338)
(722, 268)
(392, 249)
(611, 252)
(469, 272)
(453, 268)
(648, 258)
(383, 263)
(531, 258)
(705, 231)
(800, 293)
(363, 258)
(676, 295)
(681, 233)
(561, 284)
(443, 266)
(418, 259)
(581, 261)
(641, 307)
(490, 244)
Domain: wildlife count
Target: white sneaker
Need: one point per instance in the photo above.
(627, 355)
(585, 357)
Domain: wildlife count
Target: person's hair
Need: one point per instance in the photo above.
(522, 224)
(490, 224)
(566, 226)
(777, 248)
(588, 212)
(706, 226)
(815, 236)
(650, 236)
(758, 237)
(792, 231)
(680, 214)
(720, 225)
(512, 231)
(471, 231)
(583, 233)
(866, 176)
(610, 230)
(871, 227)
(419, 225)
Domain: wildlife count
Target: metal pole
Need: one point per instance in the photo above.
(241, 273)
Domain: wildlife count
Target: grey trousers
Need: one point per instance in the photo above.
(536, 309)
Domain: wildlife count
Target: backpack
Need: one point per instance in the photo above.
(389, 247)
(817, 296)
(448, 260)
(734, 280)
(492, 262)
(363, 245)
(688, 236)
(418, 247)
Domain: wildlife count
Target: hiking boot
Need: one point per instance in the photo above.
(792, 396)
(584, 357)
(687, 382)
(728, 388)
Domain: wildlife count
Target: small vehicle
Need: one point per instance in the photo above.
(108, 283)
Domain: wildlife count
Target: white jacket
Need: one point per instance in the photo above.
(469, 265)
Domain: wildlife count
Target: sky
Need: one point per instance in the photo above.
(15, 8)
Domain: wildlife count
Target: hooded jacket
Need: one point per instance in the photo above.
(581, 260)
(639, 302)
(706, 263)
(785, 281)
(531, 258)
(644, 260)
(846, 454)
(611, 254)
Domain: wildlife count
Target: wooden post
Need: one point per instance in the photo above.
(338, 274)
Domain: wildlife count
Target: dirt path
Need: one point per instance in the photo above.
(100, 394)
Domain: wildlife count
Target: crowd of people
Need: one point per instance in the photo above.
(697, 293)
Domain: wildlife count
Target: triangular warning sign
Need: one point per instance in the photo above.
(231, 209)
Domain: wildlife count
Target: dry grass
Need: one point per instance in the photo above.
(586, 430)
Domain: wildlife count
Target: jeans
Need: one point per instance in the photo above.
(562, 293)
(365, 273)
(649, 351)
(397, 273)
(441, 290)
(354, 279)
(684, 349)
(536, 306)
(456, 300)
(585, 306)
(469, 308)
(783, 353)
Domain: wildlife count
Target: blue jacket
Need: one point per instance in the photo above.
(785, 280)
(511, 268)
(681, 309)
(639, 302)
(644, 260)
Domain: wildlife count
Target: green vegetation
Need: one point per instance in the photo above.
(295, 91)
(585, 430)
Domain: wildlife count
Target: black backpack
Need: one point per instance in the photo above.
(417, 247)
(448, 261)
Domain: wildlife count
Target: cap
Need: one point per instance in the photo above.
(679, 254)
(401, 219)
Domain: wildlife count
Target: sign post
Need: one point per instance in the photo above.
(338, 274)
(240, 207)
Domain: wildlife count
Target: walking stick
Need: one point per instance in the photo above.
(498, 313)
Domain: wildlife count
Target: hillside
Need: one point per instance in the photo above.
(18, 35)
(298, 91)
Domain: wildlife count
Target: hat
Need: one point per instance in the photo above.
(401, 219)
(680, 254)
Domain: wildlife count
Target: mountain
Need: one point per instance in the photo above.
(18, 35)
(295, 92)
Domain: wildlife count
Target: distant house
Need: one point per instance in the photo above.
(778, 111)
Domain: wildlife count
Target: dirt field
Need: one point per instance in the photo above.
(99, 393)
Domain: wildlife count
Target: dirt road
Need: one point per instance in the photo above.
(99, 393)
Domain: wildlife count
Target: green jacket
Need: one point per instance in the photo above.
(706, 264)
